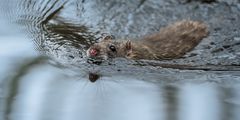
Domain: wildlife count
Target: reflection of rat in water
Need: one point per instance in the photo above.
(171, 42)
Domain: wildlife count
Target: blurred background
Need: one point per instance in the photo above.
(44, 74)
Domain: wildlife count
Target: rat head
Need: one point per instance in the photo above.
(107, 49)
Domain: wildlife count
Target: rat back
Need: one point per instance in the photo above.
(175, 40)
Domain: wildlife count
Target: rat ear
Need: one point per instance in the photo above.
(128, 45)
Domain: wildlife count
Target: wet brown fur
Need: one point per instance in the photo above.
(171, 42)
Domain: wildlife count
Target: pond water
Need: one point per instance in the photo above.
(44, 74)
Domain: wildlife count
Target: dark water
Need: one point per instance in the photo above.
(44, 74)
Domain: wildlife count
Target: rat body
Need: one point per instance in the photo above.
(170, 42)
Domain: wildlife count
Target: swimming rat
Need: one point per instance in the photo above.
(171, 42)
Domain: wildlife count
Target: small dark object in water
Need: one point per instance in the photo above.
(93, 77)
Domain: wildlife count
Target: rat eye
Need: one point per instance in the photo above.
(112, 48)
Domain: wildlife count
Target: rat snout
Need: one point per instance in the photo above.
(92, 52)
(94, 56)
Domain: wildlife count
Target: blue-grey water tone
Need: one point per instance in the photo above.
(44, 74)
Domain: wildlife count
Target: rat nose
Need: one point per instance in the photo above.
(93, 52)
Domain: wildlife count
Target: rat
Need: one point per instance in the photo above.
(171, 42)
